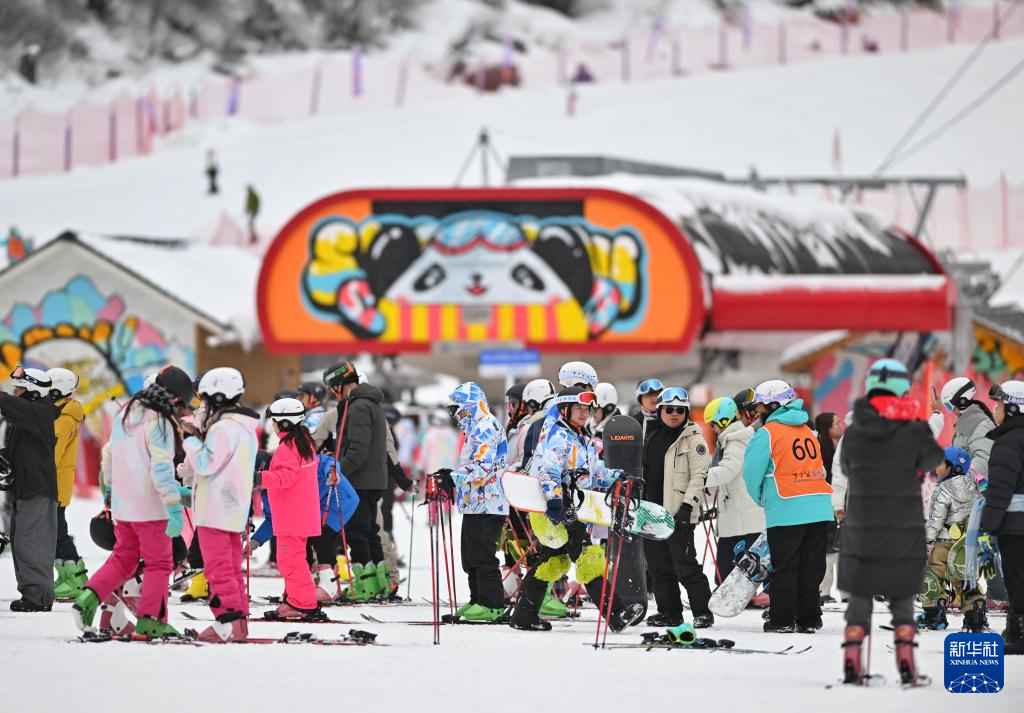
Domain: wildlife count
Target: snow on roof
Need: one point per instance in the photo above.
(219, 281)
(737, 230)
(809, 346)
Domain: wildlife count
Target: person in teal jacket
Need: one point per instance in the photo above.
(784, 474)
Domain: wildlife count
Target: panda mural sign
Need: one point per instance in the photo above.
(401, 270)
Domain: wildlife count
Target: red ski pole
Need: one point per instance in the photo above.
(344, 540)
(604, 581)
(444, 538)
(618, 554)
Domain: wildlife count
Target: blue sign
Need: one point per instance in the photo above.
(496, 363)
(974, 663)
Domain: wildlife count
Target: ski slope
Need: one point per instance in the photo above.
(780, 120)
(475, 668)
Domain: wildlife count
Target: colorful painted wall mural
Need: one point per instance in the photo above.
(996, 356)
(400, 270)
(95, 335)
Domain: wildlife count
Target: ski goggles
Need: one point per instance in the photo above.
(585, 398)
(674, 397)
(649, 386)
(682, 634)
(998, 393)
(19, 374)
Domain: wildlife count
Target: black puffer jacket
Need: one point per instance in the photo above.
(883, 547)
(364, 446)
(30, 444)
(1005, 478)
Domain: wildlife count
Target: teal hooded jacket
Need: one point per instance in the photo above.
(759, 477)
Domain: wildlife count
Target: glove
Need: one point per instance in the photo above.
(986, 557)
(556, 511)
(257, 479)
(174, 520)
(186, 496)
(683, 515)
(445, 481)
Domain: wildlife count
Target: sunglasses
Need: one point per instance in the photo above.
(672, 410)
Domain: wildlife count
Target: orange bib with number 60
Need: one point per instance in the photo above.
(797, 458)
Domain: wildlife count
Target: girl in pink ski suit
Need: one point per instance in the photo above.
(294, 495)
(220, 467)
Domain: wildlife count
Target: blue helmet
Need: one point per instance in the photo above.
(888, 375)
(959, 460)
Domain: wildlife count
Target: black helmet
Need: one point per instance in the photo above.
(392, 414)
(176, 382)
(745, 400)
(341, 374)
(571, 395)
(515, 392)
(101, 529)
(317, 391)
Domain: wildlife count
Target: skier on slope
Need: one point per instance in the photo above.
(783, 473)
(567, 447)
(294, 496)
(220, 459)
(675, 464)
(883, 548)
(1003, 513)
(145, 501)
(71, 573)
(480, 499)
(951, 504)
(739, 517)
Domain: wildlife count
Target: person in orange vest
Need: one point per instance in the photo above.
(783, 472)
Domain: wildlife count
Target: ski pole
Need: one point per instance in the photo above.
(607, 559)
(618, 559)
(451, 546)
(248, 589)
(444, 538)
(412, 531)
(344, 541)
(435, 581)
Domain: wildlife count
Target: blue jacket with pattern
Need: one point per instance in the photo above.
(483, 458)
(563, 448)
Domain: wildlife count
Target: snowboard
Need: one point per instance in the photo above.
(623, 445)
(649, 520)
(753, 566)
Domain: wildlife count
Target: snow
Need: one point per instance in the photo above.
(781, 120)
(217, 280)
(806, 347)
(474, 668)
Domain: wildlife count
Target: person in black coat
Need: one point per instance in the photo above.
(29, 448)
(883, 548)
(1003, 514)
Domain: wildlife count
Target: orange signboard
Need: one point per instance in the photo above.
(398, 270)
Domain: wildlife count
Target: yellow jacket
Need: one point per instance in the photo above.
(66, 453)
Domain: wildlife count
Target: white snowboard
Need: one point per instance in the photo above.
(752, 568)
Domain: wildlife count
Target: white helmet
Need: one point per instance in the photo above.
(35, 381)
(1011, 393)
(606, 395)
(221, 385)
(775, 391)
(957, 393)
(64, 381)
(577, 373)
(538, 392)
(289, 410)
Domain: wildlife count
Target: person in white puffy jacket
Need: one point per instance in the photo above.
(739, 517)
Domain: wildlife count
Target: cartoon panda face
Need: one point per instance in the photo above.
(483, 269)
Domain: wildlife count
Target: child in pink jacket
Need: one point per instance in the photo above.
(220, 466)
(294, 495)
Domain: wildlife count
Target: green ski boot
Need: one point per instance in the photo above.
(74, 577)
(63, 572)
(383, 582)
(153, 629)
(84, 610)
(552, 607)
(480, 613)
(364, 584)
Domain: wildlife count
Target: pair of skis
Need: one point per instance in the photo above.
(190, 638)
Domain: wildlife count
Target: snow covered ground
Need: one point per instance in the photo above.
(780, 120)
(475, 668)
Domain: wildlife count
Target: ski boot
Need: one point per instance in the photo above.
(286, 611)
(535, 625)
(809, 626)
(626, 616)
(24, 606)
(62, 575)
(454, 618)
(74, 578)
(478, 612)
(114, 617)
(364, 584)
(228, 627)
(1013, 635)
(903, 641)
(664, 621)
(933, 617)
(853, 654)
(553, 607)
(198, 589)
(383, 583)
(84, 610)
(774, 628)
(327, 584)
(155, 629)
(703, 621)
(976, 618)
